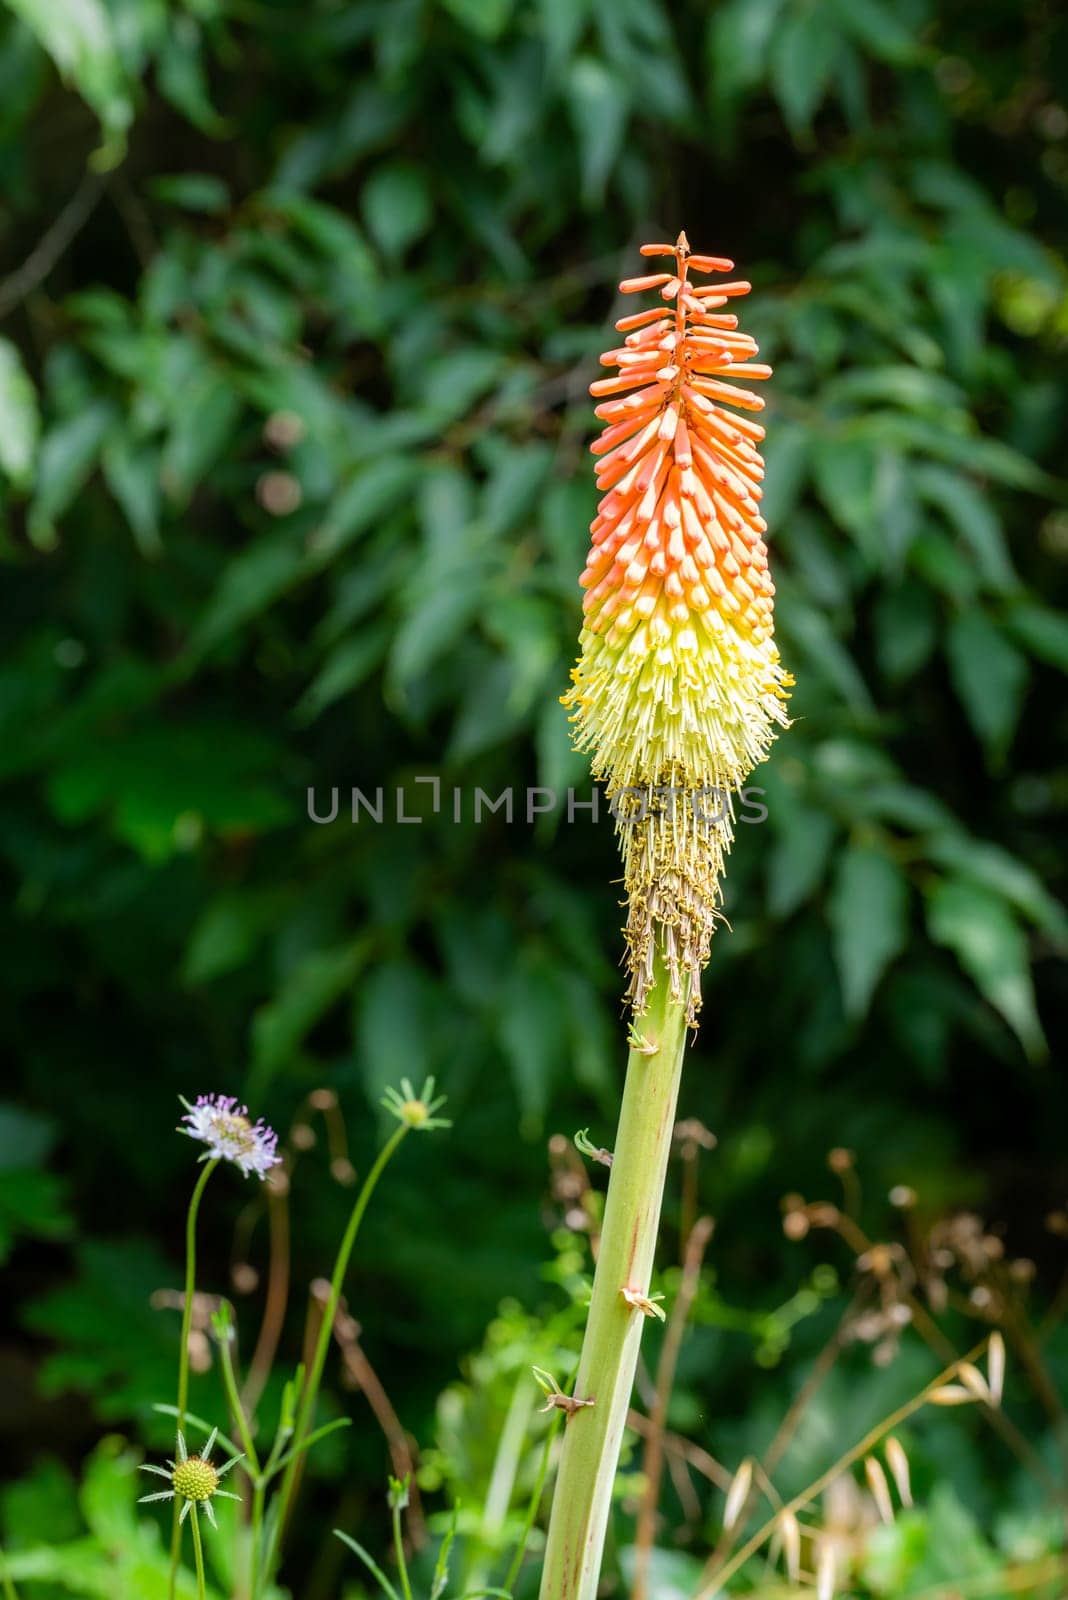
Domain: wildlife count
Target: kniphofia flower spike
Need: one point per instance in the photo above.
(679, 689)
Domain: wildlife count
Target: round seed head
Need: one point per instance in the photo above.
(195, 1479)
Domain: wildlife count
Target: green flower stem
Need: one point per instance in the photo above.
(593, 1435)
(226, 1362)
(310, 1392)
(190, 1287)
(398, 1546)
(183, 1354)
(198, 1554)
(259, 1490)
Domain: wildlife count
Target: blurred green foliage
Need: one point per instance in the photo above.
(301, 305)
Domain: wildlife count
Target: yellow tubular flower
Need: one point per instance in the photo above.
(679, 688)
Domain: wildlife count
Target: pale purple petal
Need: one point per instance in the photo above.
(219, 1122)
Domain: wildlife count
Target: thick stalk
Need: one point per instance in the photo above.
(583, 1494)
(183, 1354)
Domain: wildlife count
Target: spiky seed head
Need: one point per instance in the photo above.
(195, 1479)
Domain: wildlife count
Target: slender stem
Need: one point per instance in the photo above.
(398, 1545)
(190, 1287)
(198, 1554)
(183, 1353)
(237, 1407)
(594, 1434)
(310, 1392)
(226, 1362)
(259, 1490)
(281, 1440)
(60, 234)
(326, 1327)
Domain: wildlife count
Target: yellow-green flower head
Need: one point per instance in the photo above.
(194, 1480)
(679, 689)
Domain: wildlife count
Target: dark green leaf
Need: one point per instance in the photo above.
(798, 859)
(182, 77)
(252, 581)
(132, 472)
(202, 427)
(599, 108)
(869, 921)
(193, 191)
(993, 868)
(906, 630)
(397, 206)
(315, 984)
(1042, 631)
(973, 515)
(976, 925)
(530, 1028)
(487, 18)
(19, 418)
(803, 56)
(68, 455)
(879, 29)
(990, 677)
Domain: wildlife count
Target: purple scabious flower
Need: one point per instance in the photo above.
(219, 1122)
